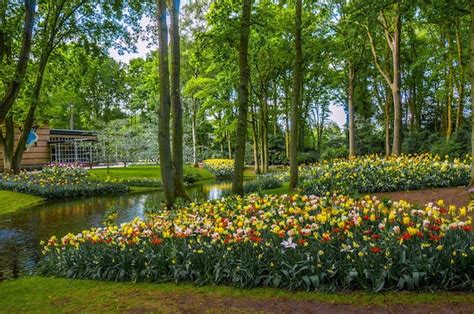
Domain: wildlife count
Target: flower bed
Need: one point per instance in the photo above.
(369, 174)
(221, 168)
(59, 181)
(292, 242)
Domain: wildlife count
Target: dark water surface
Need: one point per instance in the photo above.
(22, 231)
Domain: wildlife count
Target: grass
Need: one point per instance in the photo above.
(284, 189)
(12, 201)
(149, 172)
(143, 189)
(38, 294)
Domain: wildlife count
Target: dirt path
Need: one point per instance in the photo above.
(452, 196)
(209, 304)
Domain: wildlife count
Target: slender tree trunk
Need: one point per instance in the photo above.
(194, 133)
(176, 106)
(229, 144)
(241, 138)
(256, 158)
(287, 135)
(11, 92)
(450, 87)
(264, 132)
(387, 125)
(296, 99)
(460, 109)
(397, 110)
(472, 89)
(72, 118)
(350, 93)
(164, 109)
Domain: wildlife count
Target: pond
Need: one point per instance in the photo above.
(22, 231)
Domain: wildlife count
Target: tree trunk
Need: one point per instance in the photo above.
(472, 89)
(11, 92)
(241, 138)
(450, 88)
(264, 132)
(164, 108)
(30, 117)
(229, 145)
(256, 158)
(296, 99)
(397, 104)
(460, 109)
(177, 110)
(7, 144)
(387, 124)
(350, 100)
(194, 133)
(72, 118)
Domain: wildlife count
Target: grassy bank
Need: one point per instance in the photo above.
(149, 172)
(11, 201)
(39, 294)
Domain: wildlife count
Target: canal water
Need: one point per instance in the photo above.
(22, 231)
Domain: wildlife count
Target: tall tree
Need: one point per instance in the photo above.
(296, 98)
(17, 80)
(244, 77)
(177, 110)
(472, 89)
(392, 27)
(164, 109)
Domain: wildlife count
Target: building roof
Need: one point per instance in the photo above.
(72, 132)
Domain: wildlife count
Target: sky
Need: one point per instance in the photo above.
(337, 112)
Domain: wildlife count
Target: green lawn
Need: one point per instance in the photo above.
(150, 172)
(11, 201)
(37, 294)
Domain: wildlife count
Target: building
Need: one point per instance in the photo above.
(56, 145)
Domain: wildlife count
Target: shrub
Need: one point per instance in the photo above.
(368, 174)
(221, 168)
(292, 242)
(57, 184)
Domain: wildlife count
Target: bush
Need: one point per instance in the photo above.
(58, 184)
(292, 242)
(221, 168)
(368, 174)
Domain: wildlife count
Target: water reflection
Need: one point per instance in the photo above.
(22, 231)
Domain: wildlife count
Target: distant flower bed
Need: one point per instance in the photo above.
(221, 168)
(368, 174)
(59, 181)
(292, 242)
